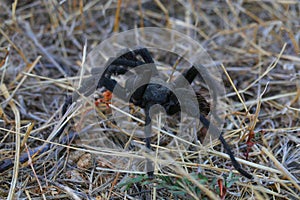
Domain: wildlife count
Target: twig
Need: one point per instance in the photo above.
(14, 108)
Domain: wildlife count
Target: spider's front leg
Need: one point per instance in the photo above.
(148, 132)
(129, 59)
(135, 87)
(137, 82)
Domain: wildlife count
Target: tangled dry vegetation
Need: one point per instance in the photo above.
(42, 45)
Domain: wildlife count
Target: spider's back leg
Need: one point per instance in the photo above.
(190, 75)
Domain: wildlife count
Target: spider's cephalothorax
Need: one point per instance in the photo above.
(142, 91)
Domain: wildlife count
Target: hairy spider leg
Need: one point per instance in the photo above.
(190, 75)
(129, 59)
(235, 163)
(148, 131)
(68, 102)
(123, 93)
(145, 54)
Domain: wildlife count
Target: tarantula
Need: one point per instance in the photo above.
(144, 93)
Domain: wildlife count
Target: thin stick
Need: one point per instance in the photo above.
(117, 17)
(233, 86)
(293, 179)
(16, 112)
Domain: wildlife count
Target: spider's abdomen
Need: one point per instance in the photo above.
(156, 94)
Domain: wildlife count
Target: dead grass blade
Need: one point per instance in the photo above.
(16, 112)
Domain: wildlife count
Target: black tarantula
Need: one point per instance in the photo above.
(144, 93)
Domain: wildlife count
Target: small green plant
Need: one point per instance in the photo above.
(178, 187)
(129, 181)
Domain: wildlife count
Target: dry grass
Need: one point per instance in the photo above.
(41, 50)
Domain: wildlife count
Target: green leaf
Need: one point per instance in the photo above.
(130, 181)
